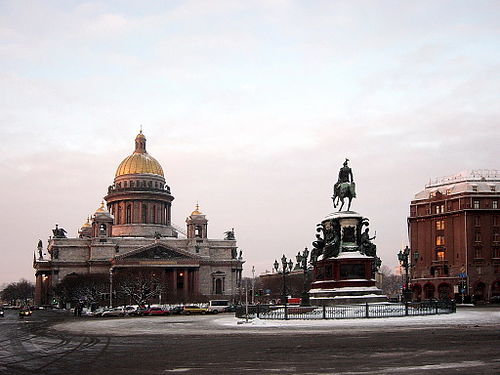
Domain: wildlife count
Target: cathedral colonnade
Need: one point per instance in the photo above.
(180, 283)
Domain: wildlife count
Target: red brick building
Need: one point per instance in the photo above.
(455, 237)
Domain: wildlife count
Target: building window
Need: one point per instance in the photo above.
(478, 253)
(477, 236)
(496, 237)
(439, 240)
(197, 231)
(128, 215)
(440, 225)
(475, 204)
(474, 187)
(144, 213)
(440, 255)
(496, 252)
(494, 204)
(439, 209)
(477, 221)
(495, 221)
(218, 286)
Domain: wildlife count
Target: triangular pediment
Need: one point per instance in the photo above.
(157, 251)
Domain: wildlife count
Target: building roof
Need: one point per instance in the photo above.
(140, 162)
(473, 181)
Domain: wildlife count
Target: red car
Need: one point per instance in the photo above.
(155, 311)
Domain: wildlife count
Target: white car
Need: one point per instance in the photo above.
(132, 310)
(117, 311)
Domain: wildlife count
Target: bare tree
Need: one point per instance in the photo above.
(88, 289)
(139, 286)
(21, 291)
(391, 283)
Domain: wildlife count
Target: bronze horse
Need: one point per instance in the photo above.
(341, 191)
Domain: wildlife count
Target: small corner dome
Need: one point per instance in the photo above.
(197, 211)
(140, 162)
(86, 224)
(102, 211)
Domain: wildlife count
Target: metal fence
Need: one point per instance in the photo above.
(367, 310)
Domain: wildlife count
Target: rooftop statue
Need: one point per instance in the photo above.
(344, 187)
(229, 234)
(59, 232)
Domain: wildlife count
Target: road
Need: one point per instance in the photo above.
(54, 343)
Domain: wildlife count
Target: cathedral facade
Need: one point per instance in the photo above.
(132, 231)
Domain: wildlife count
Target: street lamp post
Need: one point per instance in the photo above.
(253, 285)
(404, 260)
(304, 301)
(111, 287)
(286, 268)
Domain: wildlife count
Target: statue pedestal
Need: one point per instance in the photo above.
(346, 279)
(343, 274)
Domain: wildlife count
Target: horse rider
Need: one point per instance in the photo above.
(345, 175)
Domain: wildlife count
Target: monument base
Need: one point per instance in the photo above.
(346, 279)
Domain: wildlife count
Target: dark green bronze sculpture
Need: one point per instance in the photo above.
(344, 187)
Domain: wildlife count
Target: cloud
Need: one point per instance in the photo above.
(251, 107)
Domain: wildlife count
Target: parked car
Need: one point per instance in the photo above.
(98, 311)
(117, 311)
(25, 311)
(230, 308)
(176, 310)
(192, 309)
(134, 310)
(155, 310)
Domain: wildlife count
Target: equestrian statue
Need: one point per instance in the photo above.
(344, 187)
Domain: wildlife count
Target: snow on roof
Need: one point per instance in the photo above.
(479, 180)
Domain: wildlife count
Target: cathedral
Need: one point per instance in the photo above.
(132, 231)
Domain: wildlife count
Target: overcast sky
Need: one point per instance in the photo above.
(249, 106)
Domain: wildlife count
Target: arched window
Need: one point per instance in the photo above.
(102, 230)
(144, 213)
(125, 184)
(429, 291)
(153, 215)
(445, 291)
(128, 218)
(197, 231)
(119, 215)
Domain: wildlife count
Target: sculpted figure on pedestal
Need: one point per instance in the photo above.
(344, 187)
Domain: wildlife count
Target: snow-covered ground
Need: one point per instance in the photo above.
(228, 324)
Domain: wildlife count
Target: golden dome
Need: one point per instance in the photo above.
(196, 212)
(102, 208)
(86, 224)
(140, 162)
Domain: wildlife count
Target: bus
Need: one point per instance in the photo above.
(217, 306)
